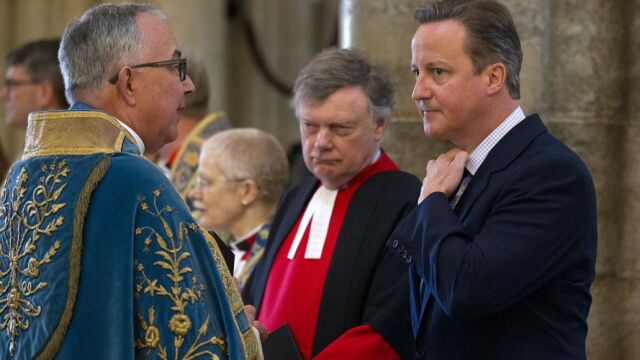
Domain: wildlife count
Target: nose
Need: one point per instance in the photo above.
(324, 139)
(188, 86)
(421, 89)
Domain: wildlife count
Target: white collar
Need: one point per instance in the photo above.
(480, 153)
(135, 136)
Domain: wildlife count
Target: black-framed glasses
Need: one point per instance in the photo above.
(181, 63)
(11, 83)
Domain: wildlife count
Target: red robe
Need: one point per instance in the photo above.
(294, 289)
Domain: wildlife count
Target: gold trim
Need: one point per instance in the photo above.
(249, 342)
(75, 258)
(93, 132)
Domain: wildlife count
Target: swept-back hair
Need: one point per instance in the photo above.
(491, 35)
(334, 69)
(96, 46)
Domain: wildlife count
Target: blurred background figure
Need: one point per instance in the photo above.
(4, 164)
(179, 158)
(33, 81)
(241, 174)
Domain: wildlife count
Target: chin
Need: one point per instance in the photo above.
(206, 224)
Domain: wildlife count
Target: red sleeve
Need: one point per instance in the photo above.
(360, 342)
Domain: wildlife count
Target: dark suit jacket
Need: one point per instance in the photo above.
(365, 284)
(507, 275)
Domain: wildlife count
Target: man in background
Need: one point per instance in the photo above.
(4, 164)
(33, 82)
(179, 158)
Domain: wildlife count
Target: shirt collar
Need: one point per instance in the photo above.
(84, 107)
(247, 234)
(480, 153)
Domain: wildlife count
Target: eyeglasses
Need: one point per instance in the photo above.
(203, 184)
(181, 63)
(11, 83)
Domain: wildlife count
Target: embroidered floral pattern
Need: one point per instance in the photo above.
(24, 219)
(183, 288)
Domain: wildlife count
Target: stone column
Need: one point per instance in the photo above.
(581, 71)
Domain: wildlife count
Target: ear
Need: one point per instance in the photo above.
(126, 86)
(249, 192)
(496, 75)
(379, 125)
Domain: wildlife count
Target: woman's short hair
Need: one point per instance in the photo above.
(247, 153)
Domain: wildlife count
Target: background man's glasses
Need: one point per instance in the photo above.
(11, 83)
(181, 64)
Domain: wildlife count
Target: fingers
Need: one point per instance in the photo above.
(460, 160)
(444, 173)
(250, 310)
(264, 334)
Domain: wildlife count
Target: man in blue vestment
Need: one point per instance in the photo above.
(99, 257)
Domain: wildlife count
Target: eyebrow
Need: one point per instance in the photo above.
(437, 63)
(177, 53)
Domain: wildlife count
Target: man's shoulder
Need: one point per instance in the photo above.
(133, 172)
(547, 150)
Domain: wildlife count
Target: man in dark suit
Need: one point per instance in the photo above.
(326, 271)
(502, 245)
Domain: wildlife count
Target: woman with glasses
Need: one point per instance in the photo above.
(241, 174)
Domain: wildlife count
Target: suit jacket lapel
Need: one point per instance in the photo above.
(291, 215)
(505, 151)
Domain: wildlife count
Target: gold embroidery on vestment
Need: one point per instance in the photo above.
(250, 344)
(26, 218)
(170, 256)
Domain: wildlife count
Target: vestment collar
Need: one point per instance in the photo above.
(76, 133)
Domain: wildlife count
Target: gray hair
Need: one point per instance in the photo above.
(96, 46)
(491, 34)
(250, 154)
(334, 69)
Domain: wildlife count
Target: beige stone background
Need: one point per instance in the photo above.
(581, 71)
